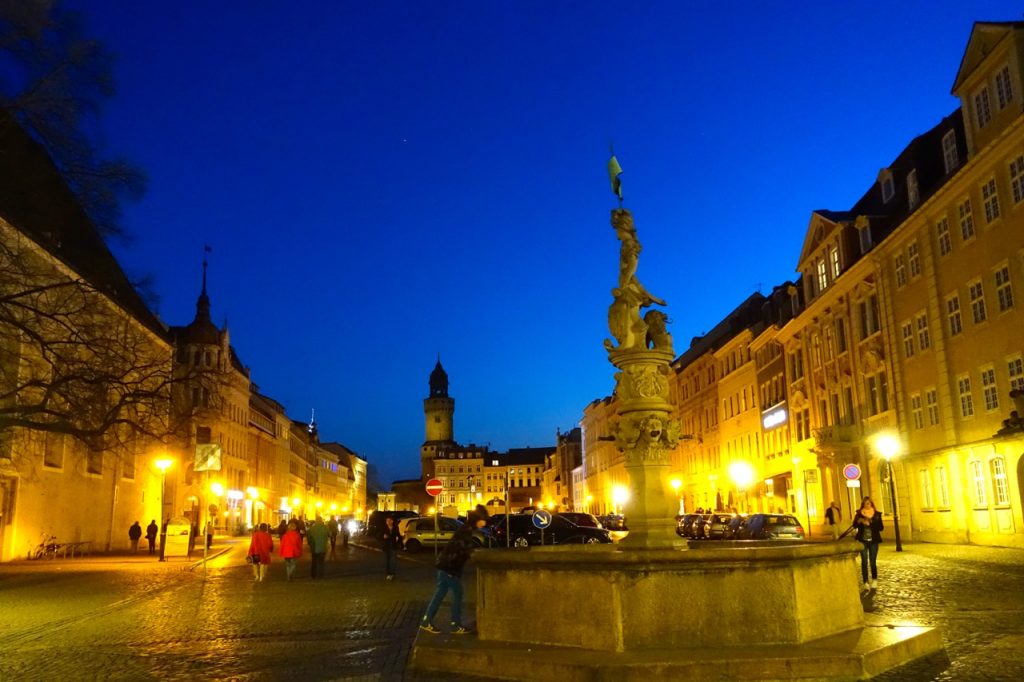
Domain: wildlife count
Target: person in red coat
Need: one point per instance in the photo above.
(291, 548)
(260, 547)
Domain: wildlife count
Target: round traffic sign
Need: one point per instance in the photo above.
(542, 518)
(434, 487)
(851, 472)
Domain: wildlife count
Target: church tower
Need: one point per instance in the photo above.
(439, 411)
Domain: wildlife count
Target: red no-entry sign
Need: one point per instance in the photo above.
(851, 472)
(434, 487)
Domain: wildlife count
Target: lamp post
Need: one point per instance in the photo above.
(890, 447)
(676, 485)
(742, 475)
(163, 464)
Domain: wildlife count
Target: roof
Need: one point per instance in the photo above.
(35, 199)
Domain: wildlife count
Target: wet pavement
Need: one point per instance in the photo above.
(131, 618)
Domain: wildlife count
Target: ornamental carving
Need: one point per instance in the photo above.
(642, 381)
(646, 437)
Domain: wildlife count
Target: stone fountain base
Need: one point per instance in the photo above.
(749, 612)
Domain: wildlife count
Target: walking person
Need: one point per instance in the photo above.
(868, 522)
(134, 533)
(391, 543)
(291, 548)
(209, 534)
(317, 535)
(151, 531)
(449, 574)
(332, 533)
(260, 547)
(834, 517)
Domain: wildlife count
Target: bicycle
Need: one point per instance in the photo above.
(47, 549)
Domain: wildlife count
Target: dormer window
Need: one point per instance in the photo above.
(1004, 92)
(982, 110)
(864, 235)
(913, 196)
(888, 189)
(833, 256)
(949, 153)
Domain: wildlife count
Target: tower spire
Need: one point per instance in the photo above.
(203, 303)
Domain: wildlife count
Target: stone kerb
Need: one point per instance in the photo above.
(613, 600)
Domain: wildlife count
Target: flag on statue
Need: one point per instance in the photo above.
(615, 175)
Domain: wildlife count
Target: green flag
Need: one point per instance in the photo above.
(615, 175)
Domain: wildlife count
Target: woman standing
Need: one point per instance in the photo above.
(391, 542)
(868, 522)
(291, 548)
(260, 547)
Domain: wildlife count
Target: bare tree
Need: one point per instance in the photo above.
(53, 82)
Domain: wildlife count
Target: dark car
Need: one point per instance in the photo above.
(520, 532)
(771, 527)
(732, 530)
(581, 519)
(375, 524)
(614, 522)
(686, 524)
(716, 524)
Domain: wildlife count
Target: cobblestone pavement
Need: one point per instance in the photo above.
(135, 619)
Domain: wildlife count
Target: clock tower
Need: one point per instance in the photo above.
(439, 411)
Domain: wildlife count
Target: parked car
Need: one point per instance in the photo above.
(771, 527)
(686, 524)
(422, 532)
(581, 519)
(716, 524)
(375, 524)
(560, 532)
(614, 522)
(735, 524)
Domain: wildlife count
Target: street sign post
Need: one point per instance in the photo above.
(851, 472)
(542, 519)
(434, 488)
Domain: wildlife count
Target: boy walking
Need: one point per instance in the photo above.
(449, 574)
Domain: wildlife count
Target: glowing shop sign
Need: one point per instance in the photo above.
(774, 418)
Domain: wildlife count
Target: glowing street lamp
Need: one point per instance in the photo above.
(619, 496)
(163, 464)
(676, 484)
(742, 475)
(889, 447)
(217, 488)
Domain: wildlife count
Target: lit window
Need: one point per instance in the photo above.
(1004, 291)
(966, 220)
(913, 197)
(982, 111)
(878, 393)
(833, 254)
(953, 315)
(822, 269)
(999, 483)
(978, 484)
(924, 340)
(977, 294)
(931, 398)
(908, 339)
(988, 389)
(1004, 91)
(925, 483)
(1015, 372)
(914, 259)
(940, 473)
(963, 384)
(899, 264)
(990, 199)
(949, 153)
(942, 236)
(917, 411)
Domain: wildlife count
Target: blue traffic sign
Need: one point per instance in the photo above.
(542, 519)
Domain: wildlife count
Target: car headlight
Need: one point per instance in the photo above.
(353, 527)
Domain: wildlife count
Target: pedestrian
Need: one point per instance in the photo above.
(291, 548)
(316, 535)
(134, 533)
(390, 542)
(332, 533)
(209, 534)
(449, 574)
(834, 516)
(163, 536)
(151, 531)
(282, 528)
(260, 547)
(868, 522)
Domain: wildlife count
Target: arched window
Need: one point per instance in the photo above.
(977, 476)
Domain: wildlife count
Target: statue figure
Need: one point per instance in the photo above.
(657, 335)
(624, 321)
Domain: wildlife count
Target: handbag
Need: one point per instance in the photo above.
(253, 559)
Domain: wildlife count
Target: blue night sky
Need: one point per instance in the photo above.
(384, 181)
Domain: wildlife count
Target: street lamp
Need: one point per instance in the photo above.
(742, 474)
(619, 497)
(163, 464)
(890, 447)
(676, 485)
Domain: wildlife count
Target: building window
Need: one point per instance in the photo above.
(797, 364)
(94, 462)
(978, 484)
(988, 388)
(888, 189)
(977, 294)
(940, 473)
(1015, 372)
(1017, 179)
(999, 483)
(822, 268)
(924, 339)
(1004, 92)
(931, 399)
(913, 196)
(833, 256)
(914, 260)
(53, 450)
(864, 236)
(982, 110)
(990, 198)
(899, 266)
(925, 483)
(917, 411)
(949, 153)
(878, 394)
(963, 385)
(966, 220)
(128, 465)
(841, 335)
(908, 339)
(869, 316)
(1004, 290)
(942, 237)
(953, 315)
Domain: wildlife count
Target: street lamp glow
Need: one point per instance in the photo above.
(888, 446)
(676, 484)
(217, 488)
(620, 494)
(742, 474)
(253, 492)
(163, 464)
(296, 501)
